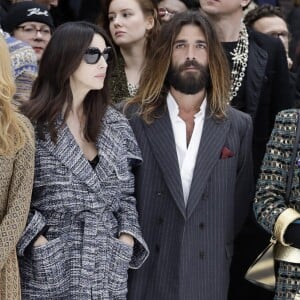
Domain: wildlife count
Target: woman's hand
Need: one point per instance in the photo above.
(127, 239)
(40, 241)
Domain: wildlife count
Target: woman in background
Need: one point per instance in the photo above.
(82, 233)
(133, 26)
(279, 216)
(16, 176)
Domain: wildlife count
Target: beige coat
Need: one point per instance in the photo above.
(16, 177)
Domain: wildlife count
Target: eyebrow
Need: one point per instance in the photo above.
(185, 41)
(122, 10)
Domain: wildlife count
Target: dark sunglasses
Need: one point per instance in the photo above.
(92, 55)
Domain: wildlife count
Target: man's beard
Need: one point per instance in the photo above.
(190, 82)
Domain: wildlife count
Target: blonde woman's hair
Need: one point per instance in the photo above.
(13, 131)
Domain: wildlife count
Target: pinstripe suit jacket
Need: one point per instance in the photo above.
(191, 246)
(86, 210)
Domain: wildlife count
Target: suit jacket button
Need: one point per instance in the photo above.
(201, 255)
(160, 220)
(157, 248)
(159, 194)
(201, 225)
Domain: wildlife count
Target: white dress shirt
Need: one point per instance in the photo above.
(186, 154)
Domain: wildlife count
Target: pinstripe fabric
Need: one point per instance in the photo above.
(86, 210)
(191, 248)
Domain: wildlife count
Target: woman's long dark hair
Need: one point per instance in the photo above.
(51, 90)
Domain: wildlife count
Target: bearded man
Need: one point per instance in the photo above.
(195, 185)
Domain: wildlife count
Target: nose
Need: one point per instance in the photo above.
(38, 35)
(116, 21)
(190, 52)
(54, 2)
(102, 63)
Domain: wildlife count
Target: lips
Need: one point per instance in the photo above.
(38, 49)
(119, 33)
(101, 76)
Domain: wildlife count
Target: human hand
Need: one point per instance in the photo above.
(127, 239)
(40, 241)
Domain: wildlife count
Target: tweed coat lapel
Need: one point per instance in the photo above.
(69, 153)
(257, 63)
(161, 139)
(212, 142)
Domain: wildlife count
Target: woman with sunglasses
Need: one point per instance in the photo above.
(133, 26)
(16, 176)
(82, 234)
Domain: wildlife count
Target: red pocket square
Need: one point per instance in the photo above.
(226, 153)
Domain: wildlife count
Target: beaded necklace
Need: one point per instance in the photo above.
(239, 60)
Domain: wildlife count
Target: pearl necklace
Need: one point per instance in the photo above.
(240, 60)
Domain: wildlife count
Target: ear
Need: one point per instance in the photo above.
(244, 3)
(149, 22)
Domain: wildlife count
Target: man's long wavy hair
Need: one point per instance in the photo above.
(13, 131)
(51, 90)
(153, 85)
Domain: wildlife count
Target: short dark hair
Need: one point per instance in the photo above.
(51, 90)
(262, 11)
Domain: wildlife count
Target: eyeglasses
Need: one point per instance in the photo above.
(92, 55)
(31, 30)
(283, 34)
(164, 12)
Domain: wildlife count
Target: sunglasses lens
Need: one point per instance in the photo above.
(106, 53)
(92, 55)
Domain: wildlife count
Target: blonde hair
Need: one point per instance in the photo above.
(13, 131)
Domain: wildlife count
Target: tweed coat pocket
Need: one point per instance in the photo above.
(118, 267)
(44, 271)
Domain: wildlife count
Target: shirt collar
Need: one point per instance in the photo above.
(174, 108)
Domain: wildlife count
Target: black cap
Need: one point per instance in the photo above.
(27, 11)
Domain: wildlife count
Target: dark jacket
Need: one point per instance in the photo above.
(267, 92)
(191, 246)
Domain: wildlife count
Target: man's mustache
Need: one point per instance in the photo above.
(190, 63)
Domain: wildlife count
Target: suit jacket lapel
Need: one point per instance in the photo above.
(161, 139)
(69, 153)
(211, 144)
(257, 62)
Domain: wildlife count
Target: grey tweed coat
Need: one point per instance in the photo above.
(85, 210)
